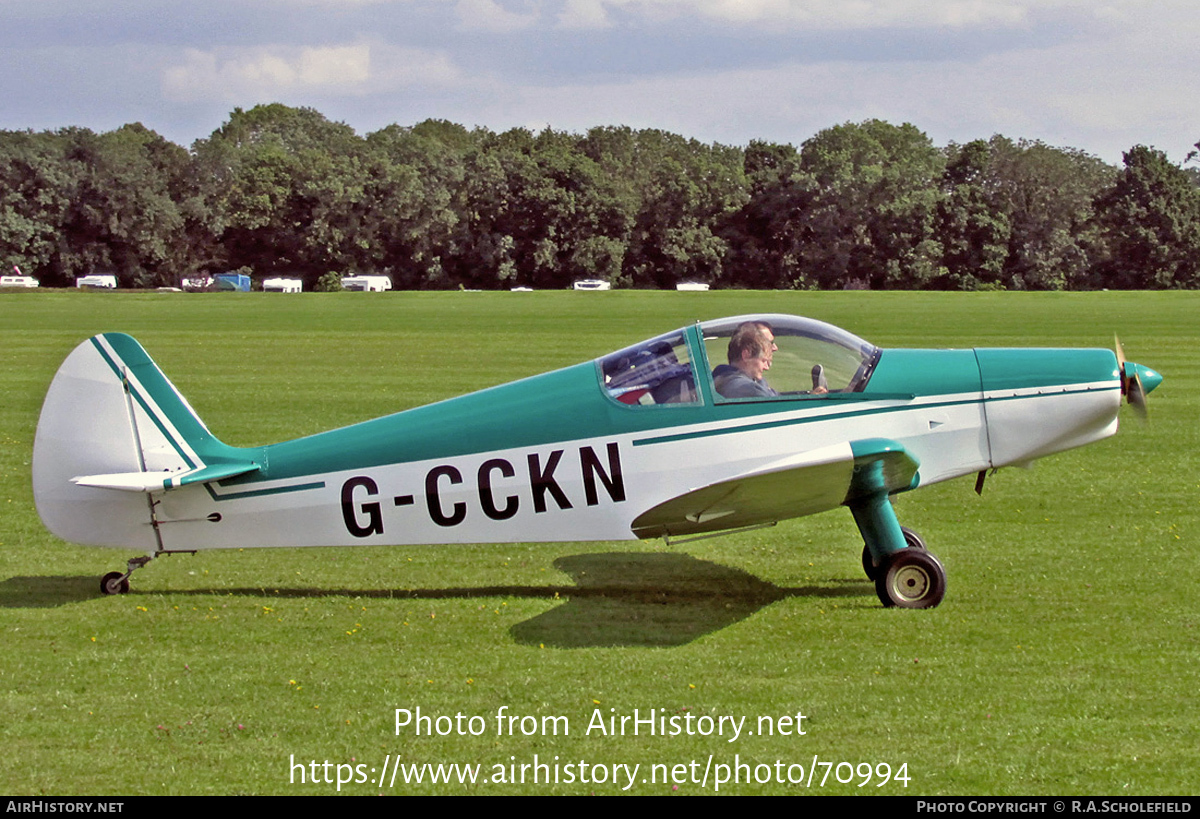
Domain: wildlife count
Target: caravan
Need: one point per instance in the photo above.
(374, 284)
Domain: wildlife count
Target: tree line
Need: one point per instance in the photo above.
(282, 191)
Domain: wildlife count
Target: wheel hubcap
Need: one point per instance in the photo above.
(911, 583)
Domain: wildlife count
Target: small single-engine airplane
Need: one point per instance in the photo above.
(650, 441)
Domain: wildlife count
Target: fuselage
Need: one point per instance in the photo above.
(569, 456)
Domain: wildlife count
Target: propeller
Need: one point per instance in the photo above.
(1132, 385)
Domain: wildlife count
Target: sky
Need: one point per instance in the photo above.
(1091, 75)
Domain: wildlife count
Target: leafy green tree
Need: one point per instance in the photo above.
(973, 227)
(415, 184)
(330, 282)
(1150, 219)
(36, 187)
(283, 186)
(676, 194)
(764, 234)
(1047, 195)
(75, 202)
(869, 202)
(537, 212)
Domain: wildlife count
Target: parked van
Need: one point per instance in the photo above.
(376, 284)
(102, 281)
(282, 285)
(592, 284)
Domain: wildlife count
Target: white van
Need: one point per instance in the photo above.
(375, 284)
(592, 284)
(282, 285)
(103, 281)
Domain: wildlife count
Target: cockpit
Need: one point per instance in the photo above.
(745, 358)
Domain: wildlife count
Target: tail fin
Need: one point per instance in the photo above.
(112, 421)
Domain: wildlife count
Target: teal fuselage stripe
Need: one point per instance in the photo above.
(254, 493)
(834, 416)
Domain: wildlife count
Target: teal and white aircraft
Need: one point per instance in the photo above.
(637, 444)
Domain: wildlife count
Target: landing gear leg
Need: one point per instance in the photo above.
(912, 541)
(118, 582)
(906, 575)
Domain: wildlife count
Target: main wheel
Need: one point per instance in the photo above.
(114, 583)
(911, 539)
(912, 579)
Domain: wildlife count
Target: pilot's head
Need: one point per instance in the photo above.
(749, 350)
(769, 336)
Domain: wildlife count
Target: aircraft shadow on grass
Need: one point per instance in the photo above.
(619, 598)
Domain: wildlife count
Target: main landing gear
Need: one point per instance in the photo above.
(906, 575)
(911, 579)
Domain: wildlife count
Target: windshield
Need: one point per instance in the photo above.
(765, 356)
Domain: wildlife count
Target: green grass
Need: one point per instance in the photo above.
(1063, 659)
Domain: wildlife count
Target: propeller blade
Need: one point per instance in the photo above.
(1136, 395)
(1131, 382)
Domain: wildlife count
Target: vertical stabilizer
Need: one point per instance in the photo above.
(111, 413)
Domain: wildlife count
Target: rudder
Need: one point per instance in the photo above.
(110, 412)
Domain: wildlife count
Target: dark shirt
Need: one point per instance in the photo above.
(731, 382)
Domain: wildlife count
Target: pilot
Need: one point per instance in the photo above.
(820, 386)
(769, 337)
(750, 352)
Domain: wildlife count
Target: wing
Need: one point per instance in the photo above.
(795, 486)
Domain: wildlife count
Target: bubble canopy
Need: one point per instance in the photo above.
(799, 357)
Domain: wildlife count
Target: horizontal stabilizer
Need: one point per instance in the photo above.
(160, 481)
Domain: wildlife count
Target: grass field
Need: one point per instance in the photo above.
(1063, 661)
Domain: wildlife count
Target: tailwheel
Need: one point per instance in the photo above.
(911, 579)
(118, 582)
(115, 583)
(911, 539)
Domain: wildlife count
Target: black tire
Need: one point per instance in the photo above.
(911, 539)
(114, 583)
(913, 579)
(868, 563)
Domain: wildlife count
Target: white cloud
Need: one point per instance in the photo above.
(1103, 96)
(270, 72)
(846, 14)
(490, 15)
(396, 67)
(583, 14)
(265, 72)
